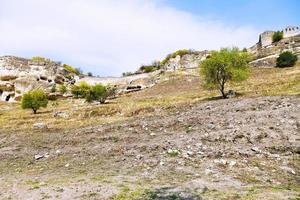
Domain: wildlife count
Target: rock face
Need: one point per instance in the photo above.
(187, 62)
(266, 51)
(19, 75)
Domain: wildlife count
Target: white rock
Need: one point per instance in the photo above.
(38, 157)
(40, 125)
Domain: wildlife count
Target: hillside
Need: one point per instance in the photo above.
(175, 139)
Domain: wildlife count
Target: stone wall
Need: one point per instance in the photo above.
(265, 39)
(291, 31)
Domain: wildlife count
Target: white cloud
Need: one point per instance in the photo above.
(109, 37)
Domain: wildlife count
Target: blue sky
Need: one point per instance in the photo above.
(108, 37)
(263, 14)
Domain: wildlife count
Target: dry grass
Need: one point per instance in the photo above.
(173, 90)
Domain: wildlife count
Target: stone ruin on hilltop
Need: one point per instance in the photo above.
(266, 51)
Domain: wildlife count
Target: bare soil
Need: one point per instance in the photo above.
(241, 148)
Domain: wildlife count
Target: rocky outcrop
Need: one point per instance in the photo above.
(19, 75)
(125, 84)
(187, 62)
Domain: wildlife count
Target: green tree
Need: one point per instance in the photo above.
(34, 99)
(90, 74)
(62, 89)
(286, 59)
(277, 36)
(226, 65)
(97, 92)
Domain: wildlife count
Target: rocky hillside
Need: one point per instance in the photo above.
(266, 56)
(18, 75)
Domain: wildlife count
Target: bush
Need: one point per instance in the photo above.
(97, 92)
(34, 100)
(224, 66)
(62, 89)
(81, 90)
(148, 68)
(127, 74)
(277, 36)
(53, 88)
(286, 59)
(40, 59)
(71, 69)
(90, 74)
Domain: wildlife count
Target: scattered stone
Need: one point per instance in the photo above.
(38, 157)
(232, 163)
(256, 150)
(152, 134)
(60, 114)
(67, 165)
(288, 169)
(58, 151)
(231, 94)
(40, 126)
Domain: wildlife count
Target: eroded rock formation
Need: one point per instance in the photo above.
(19, 75)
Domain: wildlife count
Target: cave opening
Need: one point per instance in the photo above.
(7, 97)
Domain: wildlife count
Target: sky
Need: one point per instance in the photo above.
(108, 37)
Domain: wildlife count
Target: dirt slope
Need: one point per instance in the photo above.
(223, 149)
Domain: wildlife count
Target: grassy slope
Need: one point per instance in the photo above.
(176, 90)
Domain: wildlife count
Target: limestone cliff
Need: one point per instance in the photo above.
(18, 75)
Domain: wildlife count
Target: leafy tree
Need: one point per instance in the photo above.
(277, 36)
(228, 64)
(97, 92)
(62, 89)
(34, 99)
(286, 59)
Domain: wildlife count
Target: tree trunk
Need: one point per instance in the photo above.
(34, 111)
(222, 89)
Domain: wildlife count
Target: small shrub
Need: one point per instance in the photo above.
(53, 88)
(41, 59)
(286, 59)
(71, 69)
(148, 69)
(62, 89)
(81, 90)
(34, 100)
(97, 93)
(90, 74)
(69, 76)
(127, 74)
(277, 36)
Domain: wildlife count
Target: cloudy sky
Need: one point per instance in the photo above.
(108, 37)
